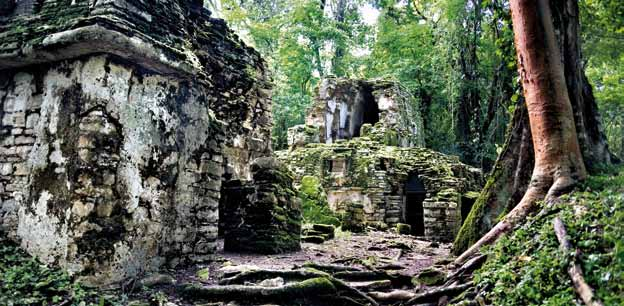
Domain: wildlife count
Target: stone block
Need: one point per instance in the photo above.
(262, 215)
(31, 121)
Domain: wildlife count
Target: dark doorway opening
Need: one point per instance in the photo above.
(466, 207)
(366, 111)
(415, 194)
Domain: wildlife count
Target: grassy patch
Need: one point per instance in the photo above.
(528, 268)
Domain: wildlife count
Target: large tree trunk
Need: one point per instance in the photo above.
(507, 180)
(591, 137)
(558, 161)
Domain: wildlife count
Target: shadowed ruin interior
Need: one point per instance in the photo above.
(365, 111)
(415, 194)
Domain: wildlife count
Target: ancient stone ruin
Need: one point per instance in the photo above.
(261, 215)
(378, 175)
(119, 121)
(343, 107)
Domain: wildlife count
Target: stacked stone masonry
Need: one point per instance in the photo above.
(119, 121)
(344, 108)
(364, 139)
(371, 187)
(262, 215)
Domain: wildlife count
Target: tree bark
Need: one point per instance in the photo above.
(507, 180)
(590, 132)
(558, 161)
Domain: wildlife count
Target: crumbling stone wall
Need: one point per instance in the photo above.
(366, 179)
(108, 169)
(119, 121)
(263, 215)
(343, 107)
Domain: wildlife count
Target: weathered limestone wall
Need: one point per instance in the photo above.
(344, 106)
(172, 37)
(119, 121)
(105, 168)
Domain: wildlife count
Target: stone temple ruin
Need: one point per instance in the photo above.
(133, 133)
(345, 106)
(364, 140)
(119, 121)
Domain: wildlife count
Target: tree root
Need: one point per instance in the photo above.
(340, 285)
(314, 291)
(329, 268)
(315, 287)
(433, 295)
(468, 267)
(581, 287)
(542, 187)
(258, 275)
(397, 279)
(392, 296)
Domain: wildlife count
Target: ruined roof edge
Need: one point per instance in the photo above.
(168, 37)
(97, 39)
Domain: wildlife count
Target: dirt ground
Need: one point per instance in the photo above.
(375, 247)
(401, 253)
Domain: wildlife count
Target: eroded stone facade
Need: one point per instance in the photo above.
(367, 180)
(343, 107)
(119, 121)
(364, 139)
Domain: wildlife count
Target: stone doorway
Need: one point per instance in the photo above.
(466, 207)
(415, 194)
(365, 111)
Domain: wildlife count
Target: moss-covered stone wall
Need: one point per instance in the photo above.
(369, 173)
(263, 215)
(119, 121)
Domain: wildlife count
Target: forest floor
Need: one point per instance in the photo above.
(397, 254)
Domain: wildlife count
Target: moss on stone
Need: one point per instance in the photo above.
(403, 229)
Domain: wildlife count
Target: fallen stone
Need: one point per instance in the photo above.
(403, 229)
(313, 239)
(325, 229)
(429, 277)
(157, 280)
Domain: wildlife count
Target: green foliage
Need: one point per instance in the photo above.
(26, 281)
(302, 43)
(602, 32)
(314, 203)
(528, 267)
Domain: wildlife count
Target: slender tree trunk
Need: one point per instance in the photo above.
(339, 47)
(468, 112)
(558, 161)
(506, 184)
(622, 145)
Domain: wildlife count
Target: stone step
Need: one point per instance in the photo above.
(313, 239)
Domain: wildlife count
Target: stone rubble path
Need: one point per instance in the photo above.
(374, 261)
